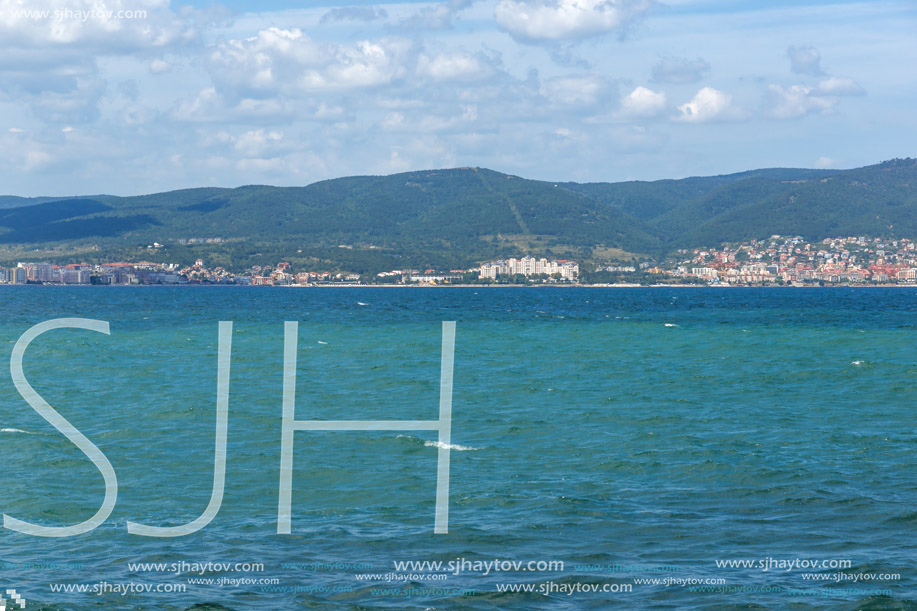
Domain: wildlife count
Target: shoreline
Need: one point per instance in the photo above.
(467, 286)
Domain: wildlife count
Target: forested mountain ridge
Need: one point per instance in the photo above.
(457, 217)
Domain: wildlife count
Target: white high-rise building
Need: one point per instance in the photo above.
(530, 266)
(37, 272)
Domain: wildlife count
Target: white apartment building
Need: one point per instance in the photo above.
(707, 273)
(74, 276)
(38, 272)
(530, 266)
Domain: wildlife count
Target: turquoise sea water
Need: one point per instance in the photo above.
(658, 427)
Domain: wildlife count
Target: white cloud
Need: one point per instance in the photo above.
(158, 66)
(184, 98)
(396, 163)
(34, 159)
(680, 70)
(79, 104)
(354, 13)
(567, 20)
(393, 120)
(210, 106)
(324, 111)
(805, 60)
(138, 114)
(708, 104)
(452, 67)
(824, 163)
(437, 17)
(643, 102)
(839, 85)
(115, 26)
(800, 100)
(23, 151)
(795, 101)
(443, 121)
(54, 65)
(278, 60)
(255, 143)
(584, 90)
(199, 108)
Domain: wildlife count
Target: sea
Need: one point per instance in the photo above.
(633, 448)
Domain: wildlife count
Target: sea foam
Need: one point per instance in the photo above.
(448, 446)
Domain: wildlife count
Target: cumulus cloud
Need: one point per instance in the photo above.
(35, 71)
(354, 13)
(795, 101)
(566, 20)
(643, 102)
(453, 67)
(708, 104)
(137, 114)
(245, 103)
(824, 163)
(579, 91)
(680, 70)
(51, 52)
(158, 66)
(115, 26)
(210, 106)
(805, 60)
(256, 143)
(278, 60)
(437, 17)
(37, 150)
(839, 85)
(800, 100)
(79, 105)
(429, 123)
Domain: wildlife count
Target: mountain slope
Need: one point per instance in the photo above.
(650, 200)
(457, 217)
(877, 200)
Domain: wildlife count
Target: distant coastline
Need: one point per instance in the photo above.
(566, 285)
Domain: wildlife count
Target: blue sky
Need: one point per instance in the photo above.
(285, 93)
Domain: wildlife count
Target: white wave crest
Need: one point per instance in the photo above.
(448, 446)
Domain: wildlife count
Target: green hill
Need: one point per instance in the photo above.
(458, 217)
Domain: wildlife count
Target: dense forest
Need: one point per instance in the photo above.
(458, 217)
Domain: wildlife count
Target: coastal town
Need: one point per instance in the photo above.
(792, 260)
(778, 260)
(282, 274)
